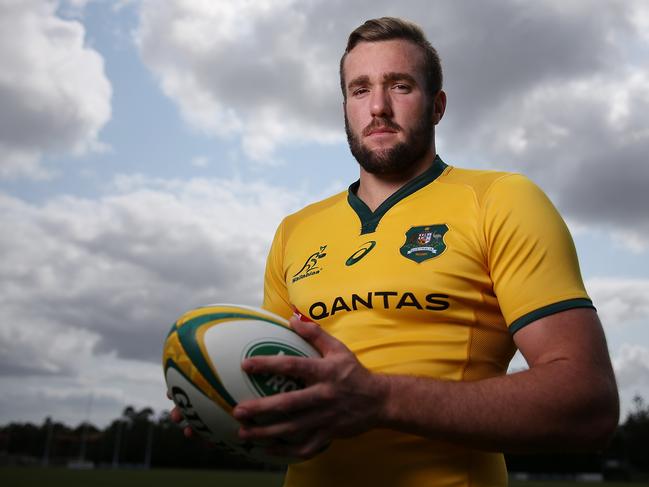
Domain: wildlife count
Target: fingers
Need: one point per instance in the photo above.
(177, 417)
(308, 369)
(287, 403)
(291, 429)
(336, 385)
(302, 436)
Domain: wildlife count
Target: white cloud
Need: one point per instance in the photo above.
(588, 151)
(96, 284)
(620, 300)
(632, 368)
(247, 69)
(54, 94)
(122, 267)
(530, 87)
(17, 162)
(95, 395)
(110, 266)
(639, 17)
(73, 8)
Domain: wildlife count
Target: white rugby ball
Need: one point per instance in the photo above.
(202, 365)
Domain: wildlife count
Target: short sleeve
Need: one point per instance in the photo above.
(531, 255)
(275, 291)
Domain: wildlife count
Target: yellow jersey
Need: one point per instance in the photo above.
(433, 283)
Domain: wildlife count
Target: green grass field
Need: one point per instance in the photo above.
(60, 477)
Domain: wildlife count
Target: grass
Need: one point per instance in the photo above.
(62, 477)
(563, 483)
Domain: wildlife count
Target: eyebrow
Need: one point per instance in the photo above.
(358, 81)
(387, 78)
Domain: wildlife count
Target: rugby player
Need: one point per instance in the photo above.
(423, 279)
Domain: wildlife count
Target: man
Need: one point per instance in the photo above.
(423, 279)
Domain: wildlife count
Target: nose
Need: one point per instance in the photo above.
(380, 104)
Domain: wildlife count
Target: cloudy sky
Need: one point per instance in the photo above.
(149, 149)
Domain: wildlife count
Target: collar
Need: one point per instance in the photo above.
(370, 219)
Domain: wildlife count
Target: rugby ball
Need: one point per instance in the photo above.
(202, 366)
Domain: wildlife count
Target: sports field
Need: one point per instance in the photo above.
(61, 477)
(53, 477)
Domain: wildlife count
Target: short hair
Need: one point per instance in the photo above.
(390, 28)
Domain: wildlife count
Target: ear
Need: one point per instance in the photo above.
(439, 106)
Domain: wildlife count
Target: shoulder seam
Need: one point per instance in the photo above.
(328, 200)
(481, 207)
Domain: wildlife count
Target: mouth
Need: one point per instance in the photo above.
(381, 127)
(381, 131)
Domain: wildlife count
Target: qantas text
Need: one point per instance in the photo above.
(377, 299)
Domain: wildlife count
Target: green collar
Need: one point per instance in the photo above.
(369, 219)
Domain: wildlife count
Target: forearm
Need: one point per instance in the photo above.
(567, 400)
(547, 407)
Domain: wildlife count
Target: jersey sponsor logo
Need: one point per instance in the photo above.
(311, 265)
(365, 249)
(424, 242)
(378, 299)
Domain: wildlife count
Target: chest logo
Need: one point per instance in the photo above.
(312, 265)
(365, 249)
(424, 242)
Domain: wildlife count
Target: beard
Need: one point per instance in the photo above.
(396, 159)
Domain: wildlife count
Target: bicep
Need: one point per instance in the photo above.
(575, 335)
(569, 350)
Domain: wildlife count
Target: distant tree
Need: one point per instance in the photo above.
(636, 435)
(136, 437)
(640, 414)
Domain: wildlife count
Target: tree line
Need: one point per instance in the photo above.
(139, 438)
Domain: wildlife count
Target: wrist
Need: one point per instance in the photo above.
(384, 401)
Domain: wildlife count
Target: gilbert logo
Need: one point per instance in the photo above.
(311, 266)
(360, 253)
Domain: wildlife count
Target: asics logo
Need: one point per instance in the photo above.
(365, 249)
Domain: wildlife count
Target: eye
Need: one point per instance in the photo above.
(401, 87)
(359, 91)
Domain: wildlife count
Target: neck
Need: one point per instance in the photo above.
(374, 189)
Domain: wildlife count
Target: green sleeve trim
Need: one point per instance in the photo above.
(551, 309)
